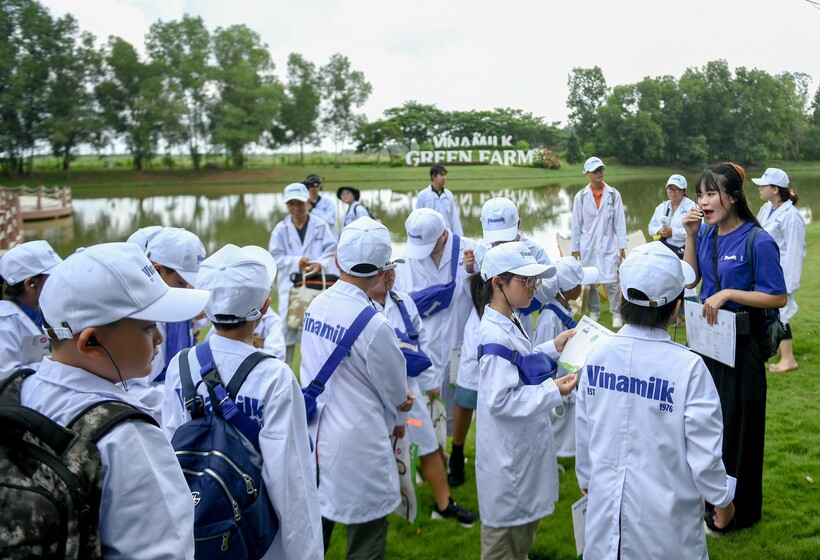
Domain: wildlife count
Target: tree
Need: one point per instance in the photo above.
(417, 122)
(587, 92)
(133, 100)
(300, 108)
(75, 69)
(344, 90)
(376, 137)
(181, 49)
(249, 95)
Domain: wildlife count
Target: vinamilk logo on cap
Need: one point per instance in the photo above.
(773, 176)
(424, 226)
(592, 164)
(499, 220)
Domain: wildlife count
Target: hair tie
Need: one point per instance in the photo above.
(739, 170)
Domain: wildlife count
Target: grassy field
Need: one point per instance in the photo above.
(790, 528)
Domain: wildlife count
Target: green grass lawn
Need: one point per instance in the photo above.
(790, 528)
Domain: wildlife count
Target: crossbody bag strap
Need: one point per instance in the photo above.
(504, 353)
(317, 386)
(454, 257)
(750, 252)
(412, 333)
(193, 402)
(562, 315)
(715, 257)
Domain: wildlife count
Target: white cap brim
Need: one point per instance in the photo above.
(188, 275)
(413, 251)
(590, 275)
(506, 234)
(688, 273)
(761, 182)
(177, 304)
(535, 269)
(297, 197)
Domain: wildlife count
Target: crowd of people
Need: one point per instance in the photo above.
(668, 443)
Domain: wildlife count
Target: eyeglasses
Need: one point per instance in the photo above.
(532, 282)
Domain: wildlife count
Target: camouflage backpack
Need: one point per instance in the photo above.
(51, 477)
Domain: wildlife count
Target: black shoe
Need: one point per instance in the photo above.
(455, 511)
(456, 475)
(712, 530)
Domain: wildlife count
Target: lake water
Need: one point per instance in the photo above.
(248, 218)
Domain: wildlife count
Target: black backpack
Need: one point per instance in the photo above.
(51, 477)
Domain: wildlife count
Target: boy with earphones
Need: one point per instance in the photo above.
(100, 308)
(24, 269)
(516, 472)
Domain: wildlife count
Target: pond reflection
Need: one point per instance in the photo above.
(248, 218)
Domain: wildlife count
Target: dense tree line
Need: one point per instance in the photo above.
(201, 90)
(707, 114)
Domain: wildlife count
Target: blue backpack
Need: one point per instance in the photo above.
(417, 360)
(436, 298)
(233, 515)
(533, 369)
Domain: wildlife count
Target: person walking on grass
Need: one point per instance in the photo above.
(599, 236)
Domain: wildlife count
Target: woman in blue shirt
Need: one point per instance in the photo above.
(727, 284)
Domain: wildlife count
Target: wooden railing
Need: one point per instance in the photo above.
(56, 193)
(11, 219)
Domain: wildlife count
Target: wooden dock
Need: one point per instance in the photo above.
(22, 204)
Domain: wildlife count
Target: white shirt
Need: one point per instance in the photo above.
(444, 204)
(325, 209)
(446, 328)
(788, 229)
(287, 250)
(271, 328)
(22, 342)
(358, 479)
(649, 463)
(146, 510)
(675, 220)
(516, 467)
(598, 233)
(354, 212)
(272, 398)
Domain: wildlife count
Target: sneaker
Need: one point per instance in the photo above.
(617, 323)
(455, 511)
(712, 530)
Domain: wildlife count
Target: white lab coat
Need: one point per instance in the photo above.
(516, 467)
(273, 399)
(547, 327)
(787, 228)
(355, 211)
(146, 510)
(420, 431)
(648, 463)
(598, 233)
(358, 479)
(446, 328)
(326, 210)
(287, 250)
(678, 238)
(468, 370)
(271, 328)
(22, 342)
(444, 204)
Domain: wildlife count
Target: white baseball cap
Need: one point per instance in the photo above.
(364, 248)
(657, 272)
(499, 220)
(239, 280)
(773, 176)
(296, 191)
(592, 164)
(570, 274)
(178, 249)
(27, 260)
(424, 226)
(108, 282)
(143, 235)
(514, 257)
(678, 181)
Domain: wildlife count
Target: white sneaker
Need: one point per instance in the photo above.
(617, 323)
(594, 316)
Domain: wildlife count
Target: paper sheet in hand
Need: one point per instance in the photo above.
(716, 341)
(587, 334)
(579, 518)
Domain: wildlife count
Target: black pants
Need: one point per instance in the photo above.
(742, 391)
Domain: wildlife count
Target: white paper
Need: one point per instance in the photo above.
(716, 341)
(587, 334)
(455, 359)
(579, 519)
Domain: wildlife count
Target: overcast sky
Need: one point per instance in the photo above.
(481, 55)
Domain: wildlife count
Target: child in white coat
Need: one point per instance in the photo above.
(516, 473)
